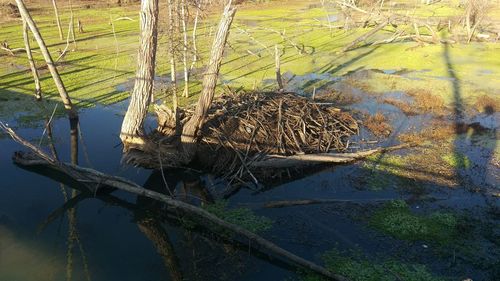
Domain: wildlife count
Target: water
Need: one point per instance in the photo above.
(121, 237)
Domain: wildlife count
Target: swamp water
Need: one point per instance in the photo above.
(121, 237)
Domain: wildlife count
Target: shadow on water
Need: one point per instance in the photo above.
(467, 133)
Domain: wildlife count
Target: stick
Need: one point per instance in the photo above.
(290, 203)
(279, 161)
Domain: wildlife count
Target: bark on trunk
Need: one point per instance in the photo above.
(36, 77)
(48, 59)
(56, 12)
(192, 127)
(185, 48)
(171, 50)
(195, 27)
(132, 131)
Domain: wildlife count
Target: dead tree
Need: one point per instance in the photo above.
(68, 105)
(34, 71)
(195, 27)
(72, 24)
(132, 130)
(56, 12)
(190, 130)
(184, 20)
(171, 51)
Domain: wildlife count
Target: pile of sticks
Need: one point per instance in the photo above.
(245, 128)
(277, 123)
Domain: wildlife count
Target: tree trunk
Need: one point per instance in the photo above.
(132, 131)
(195, 27)
(56, 12)
(38, 87)
(72, 24)
(48, 59)
(184, 19)
(171, 50)
(192, 127)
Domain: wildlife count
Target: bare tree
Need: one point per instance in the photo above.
(184, 20)
(195, 28)
(38, 87)
(132, 131)
(171, 51)
(192, 127)
(56, 12)
(68, 105)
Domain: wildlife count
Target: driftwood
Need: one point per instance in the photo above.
(279, 161)
(291, 203)
(95, 179)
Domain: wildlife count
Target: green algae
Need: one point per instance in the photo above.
(397, 219)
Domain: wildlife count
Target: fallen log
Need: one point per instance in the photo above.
(300, 160)
(94, 178)
(302, 202)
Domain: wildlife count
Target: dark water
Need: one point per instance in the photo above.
(121, 237)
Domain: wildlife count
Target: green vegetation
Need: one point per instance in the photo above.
(240, 216)
(358, 268)
(99, 63)
(457, 160)
(396, 219)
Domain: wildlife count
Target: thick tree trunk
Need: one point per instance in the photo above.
(48, 59)
(192, 127)
(36, 77)
(56, 12)
(132, 131)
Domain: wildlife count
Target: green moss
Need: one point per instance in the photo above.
(358, 268)
(457, 160)
(396, 219)
(240, 216)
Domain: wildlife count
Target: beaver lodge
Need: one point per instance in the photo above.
(243, 131)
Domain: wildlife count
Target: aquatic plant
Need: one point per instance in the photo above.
(396, 219)
(457, 160)
(357, 267)
(243, 217)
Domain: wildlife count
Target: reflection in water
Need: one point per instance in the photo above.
(73, 235)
